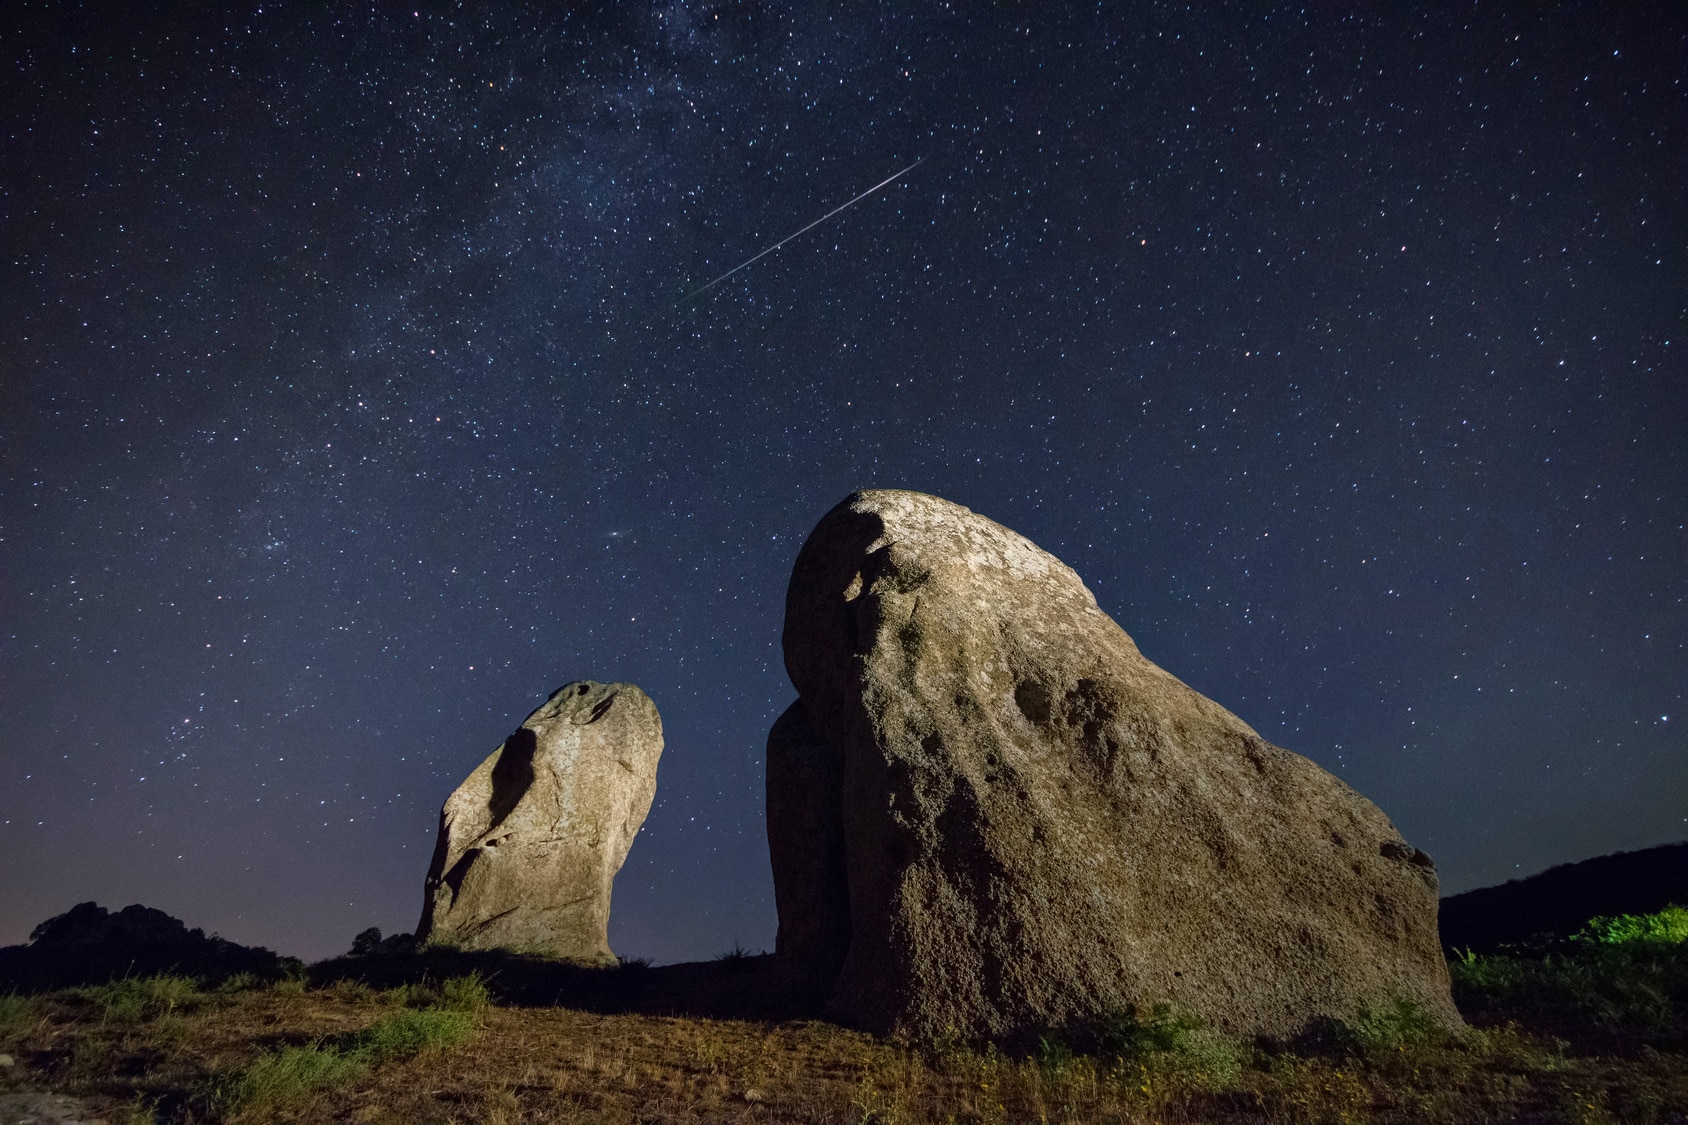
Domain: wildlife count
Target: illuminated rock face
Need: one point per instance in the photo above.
(530, 843)
(989, 814)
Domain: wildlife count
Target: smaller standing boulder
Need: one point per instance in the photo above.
(530, 843)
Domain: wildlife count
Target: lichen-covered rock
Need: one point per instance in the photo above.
(990, 814)
(530, 843)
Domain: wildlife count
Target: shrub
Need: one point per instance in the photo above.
(465, 994)
(1053, 1056)
(1128, 1033)
(1394, 1026)
(459, 994)
(239, 982)
(366, 942)
(1666, 928)
(1622, 976)
(1174, 1042)
(289, 986)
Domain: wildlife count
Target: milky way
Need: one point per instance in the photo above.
(346, 409)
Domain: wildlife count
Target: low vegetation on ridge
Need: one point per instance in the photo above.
(1592, 1028)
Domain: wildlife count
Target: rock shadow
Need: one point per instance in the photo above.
(736, 986)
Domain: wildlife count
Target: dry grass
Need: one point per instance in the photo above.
(176, 1058)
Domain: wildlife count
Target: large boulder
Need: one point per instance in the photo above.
(989, 814)
(530, 843)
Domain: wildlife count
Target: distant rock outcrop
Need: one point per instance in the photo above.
(990, 814)
(89, 944)
(1555, 903)
(530, 843)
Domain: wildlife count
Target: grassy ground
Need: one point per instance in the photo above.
(1583, 1031)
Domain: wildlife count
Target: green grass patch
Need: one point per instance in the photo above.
(15, 1012)
(238, 982)
(459, 994)
(1390, 1027)
(293, 1075)
(141, 1110)
(1160, 1039)
(1666, 928)
(289, 986)
(135, 999)
(1623, 977)
(409, 1032)
(465, 994)
(352, 991)
(287, 1077)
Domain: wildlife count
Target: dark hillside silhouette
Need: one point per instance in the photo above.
(1558, 901)
(89, 944)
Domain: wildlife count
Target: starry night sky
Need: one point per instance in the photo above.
(348, 407)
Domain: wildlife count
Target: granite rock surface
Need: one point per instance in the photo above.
(990, 814)
(530, 843)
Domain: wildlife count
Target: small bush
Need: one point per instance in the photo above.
(1129, 1033)
(1173, 1042)
(1053, 1056)
(366, 942)
(239, 982)
(1666, 928)
(459, 994)
(1391, 1027)
(1487, 973)
(1620, 976)
(289, 986)
(465, 994)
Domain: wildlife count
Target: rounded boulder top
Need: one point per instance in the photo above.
(988, 813)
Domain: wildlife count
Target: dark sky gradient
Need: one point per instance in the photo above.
(346, 408)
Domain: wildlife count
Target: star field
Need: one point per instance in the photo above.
(349, 405)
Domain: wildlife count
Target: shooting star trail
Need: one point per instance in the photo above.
(700, 290)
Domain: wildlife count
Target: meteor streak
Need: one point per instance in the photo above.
(841, 207)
